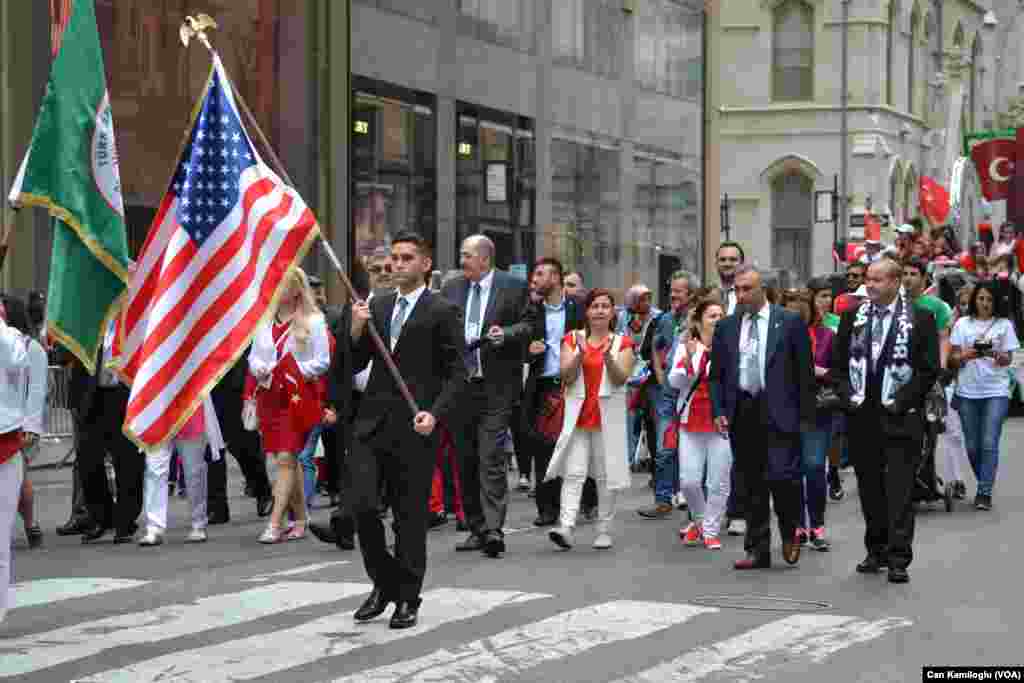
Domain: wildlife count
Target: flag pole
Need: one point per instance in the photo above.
(196, 29)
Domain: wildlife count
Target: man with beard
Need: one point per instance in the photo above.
(730, 256)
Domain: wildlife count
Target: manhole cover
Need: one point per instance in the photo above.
(760, 603)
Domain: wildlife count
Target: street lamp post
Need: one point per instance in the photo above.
(725, 215)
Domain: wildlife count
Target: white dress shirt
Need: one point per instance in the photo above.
(412, 297)
(475, 331)
(729, 294)
(878, 344)
(762, 332)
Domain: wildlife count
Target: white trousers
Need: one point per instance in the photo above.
(585, 457)
(701, 452)
(158, 465)
(950, 449)
(11, 474)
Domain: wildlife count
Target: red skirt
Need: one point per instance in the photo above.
(288, 410)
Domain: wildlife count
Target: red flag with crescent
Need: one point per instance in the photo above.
(934, 201)
(994, 160)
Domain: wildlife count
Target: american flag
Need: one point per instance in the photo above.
(226, 234)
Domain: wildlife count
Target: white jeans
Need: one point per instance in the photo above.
(158, 465)
(11, 474)
(585, 457)
(950, 448)
(700, 451)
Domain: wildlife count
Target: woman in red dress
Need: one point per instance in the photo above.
(289, 354)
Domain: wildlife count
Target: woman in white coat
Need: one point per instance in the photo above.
(590, 443)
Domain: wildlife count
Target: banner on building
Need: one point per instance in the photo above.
(994, 154)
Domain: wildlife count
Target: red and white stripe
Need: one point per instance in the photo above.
(192, 310)
(60, 14)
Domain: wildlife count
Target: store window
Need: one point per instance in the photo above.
(393, 165)
(505, 22)
(669, 45)
(154, 83)
(666, 211)
(424, 10)
(585, 208)
(588, 34)
(495, 195)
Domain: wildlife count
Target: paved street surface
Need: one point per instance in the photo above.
(234, 610)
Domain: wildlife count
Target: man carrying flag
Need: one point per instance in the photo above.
(225, 235)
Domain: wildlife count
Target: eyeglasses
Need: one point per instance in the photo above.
(377, 270)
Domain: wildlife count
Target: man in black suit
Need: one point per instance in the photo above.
(762, 391)
(389, 442)
(499, 322)
(885, 360)
(559, 314)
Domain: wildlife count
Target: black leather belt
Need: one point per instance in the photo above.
(549, 381)
(475, 380)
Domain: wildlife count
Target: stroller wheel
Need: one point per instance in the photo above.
(947, 494)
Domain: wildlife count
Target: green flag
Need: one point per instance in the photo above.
(71, 170)
(831, 321)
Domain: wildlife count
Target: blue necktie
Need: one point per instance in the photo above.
(396, 324)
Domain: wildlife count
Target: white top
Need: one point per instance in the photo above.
(981, 377)
(313, 361)
(475, 330)
(762, 331)
(14, 362)
(35, 386)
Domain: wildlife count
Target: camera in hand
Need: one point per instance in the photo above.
(983, 347)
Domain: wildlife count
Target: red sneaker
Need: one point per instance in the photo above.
(692, 534)
(712, 543)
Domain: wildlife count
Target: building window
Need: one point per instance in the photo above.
(793, 52)
(504, 22)
(792, 220)
(669, 43)
(890, 46)
(588, 34)
(912, 46)
(393, 165)
(495, 164)
(423, 10)
(895, 189)
(666, 212)
(585, 211)
(909, 186)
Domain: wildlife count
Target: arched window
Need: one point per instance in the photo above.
(915, 22)
(793, 51)
(792, 220)
(909, 187)
(895, 190)
(890, 58)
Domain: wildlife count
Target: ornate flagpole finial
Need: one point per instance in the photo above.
(196, 27)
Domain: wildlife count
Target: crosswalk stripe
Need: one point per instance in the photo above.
(802, 638)
(514, 651)
(44, 591)
(297, 570)
(329, 636)
(31, 653)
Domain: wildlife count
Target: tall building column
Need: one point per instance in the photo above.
(542, 127)
(447, 179)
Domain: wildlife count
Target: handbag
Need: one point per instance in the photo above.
(551, 415)
(671, 440)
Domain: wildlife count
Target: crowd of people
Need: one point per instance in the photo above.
(408, 401)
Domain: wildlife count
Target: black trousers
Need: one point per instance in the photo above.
(101, 433)
(244, 447)
(885, 469)
(404, 461)
(549, 493)
(756, 443)
(483, 466)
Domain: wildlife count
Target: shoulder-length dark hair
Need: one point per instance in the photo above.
(999, 307)
(698, 313)
(588, 300)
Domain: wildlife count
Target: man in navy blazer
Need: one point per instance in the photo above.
(762, 391)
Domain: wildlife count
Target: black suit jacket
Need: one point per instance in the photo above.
(429, 356)
(574, 320)
(905, 418)
(789, 372)
(508, 307)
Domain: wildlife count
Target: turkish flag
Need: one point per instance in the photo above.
(1015, 196)
(872, 228)
(934, 201)
(995, 161)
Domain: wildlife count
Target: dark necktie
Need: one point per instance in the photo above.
(396, 324)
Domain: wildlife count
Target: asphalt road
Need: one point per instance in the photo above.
(648, 610)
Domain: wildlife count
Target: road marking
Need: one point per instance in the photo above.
(298, 570)
(44, 591)
(793, 641)
(263, 655)
(42, 650)
(512, 652)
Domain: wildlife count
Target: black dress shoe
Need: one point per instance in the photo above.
(264, 505)
(494, 544)
(546, 519)
(898, 575)
(93, 533)
(323, 533)
(219, 517)
(753, 561)
(73, 527)
(373, 607)
(124, 537)
(461, 525)
(344, 529)
(472, 542)
(872, 564)
(437, 519)
(405, 614)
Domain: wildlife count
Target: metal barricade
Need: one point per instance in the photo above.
(58, 424)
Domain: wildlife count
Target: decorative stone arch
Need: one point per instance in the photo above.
(789, 184)
(910, 183)
(790, 163)
(896, 190)
(915, 18)
(958, 37)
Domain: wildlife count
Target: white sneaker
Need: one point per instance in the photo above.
(561, 536)
(603, 542)
(196, 536)
(737, 527)
(152, 538)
